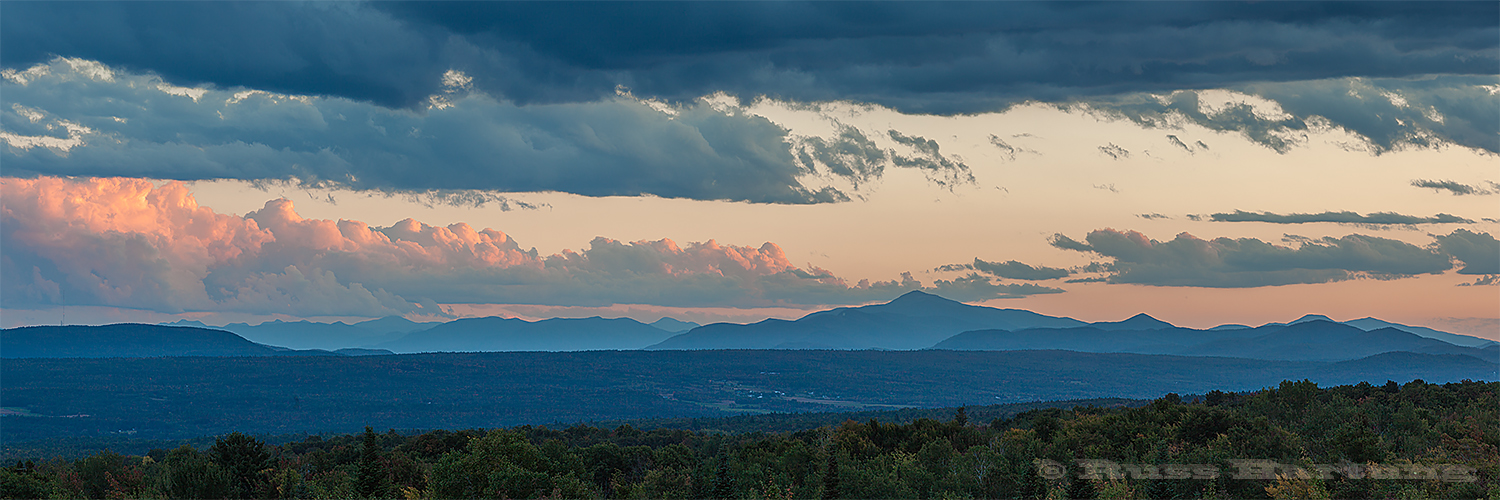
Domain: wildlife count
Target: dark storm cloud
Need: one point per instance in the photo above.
(1248, 262)
(1377, 218)
(82, 118)
(914, 56)
(74, 117)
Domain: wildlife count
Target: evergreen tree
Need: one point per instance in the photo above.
(831, 476)
(242, 457)
(372, 480)
(723, 483)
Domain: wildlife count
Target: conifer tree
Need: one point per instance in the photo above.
(372, 480)
(723, 483)
(831, 476)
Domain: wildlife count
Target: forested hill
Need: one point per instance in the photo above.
(173, 398)
(1413, 440)
(131, 340)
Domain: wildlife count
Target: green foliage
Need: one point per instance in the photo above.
(1394, 425)
(23, 481)
(374, 477)
(245, 459)
(190, 474)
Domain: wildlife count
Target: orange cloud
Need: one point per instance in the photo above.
(129, 243)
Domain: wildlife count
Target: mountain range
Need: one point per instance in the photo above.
(510, 334)
(1305, 341)
(915, 320)
(327, 336)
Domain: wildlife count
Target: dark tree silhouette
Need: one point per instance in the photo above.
(831, 476)
(372, 481)
(242, 457)
(723, 483)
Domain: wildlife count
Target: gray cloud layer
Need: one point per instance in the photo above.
(1019, 271)
(915, 56)
(75, 117)
(1249, 262)
(1456, 188)
(1377, 218)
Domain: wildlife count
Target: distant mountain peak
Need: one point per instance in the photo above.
(673, 324)
(1312, 317)
(918, 298)
(1141, 321)
(917, 295)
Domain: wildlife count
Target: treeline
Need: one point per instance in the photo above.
(1416, 440)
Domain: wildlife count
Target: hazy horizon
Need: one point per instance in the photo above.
(1204, 165)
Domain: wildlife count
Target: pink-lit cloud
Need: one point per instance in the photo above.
(129, 243)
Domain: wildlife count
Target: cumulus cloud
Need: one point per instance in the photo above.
(1248, 262)
(1375, 219)
(945, 58)
(1479, 252)
(1455, 188)
(128, 243)
(67, 119)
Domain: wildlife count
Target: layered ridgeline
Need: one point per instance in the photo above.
(913, 321)
(130, 340)
(510, 334)
(329, 336)
(1306, 341)
(401, 335)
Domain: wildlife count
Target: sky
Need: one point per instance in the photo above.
(1202, 162)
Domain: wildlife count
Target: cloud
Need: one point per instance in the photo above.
(68, 118)
(1007, 150)
(946, 58)
(976, 287)
(1019, 271)
(943, 170)
(1479, 252)
(1455, 188)
(1178, 142)
(1377, 218)
(128, 243)
(1153, 216)
(1388, 113)
(1488, 280)
(1248, 262)
(1114, 151)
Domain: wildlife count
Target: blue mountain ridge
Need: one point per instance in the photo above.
(133, 340)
